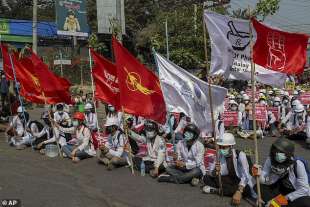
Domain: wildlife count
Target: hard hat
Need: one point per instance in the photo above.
(233, 102)
(79, 116)
(296, 102)
(262, 97)
(227, 140)
(299, 108)
(286, 94)
(20, 109)
(242, 92)
(112, 121)
(88, 106)
(270, 92)
(277, 99)
(231, 97)
(192, 128)
(246, 97)
(295, 92)
(284, 145)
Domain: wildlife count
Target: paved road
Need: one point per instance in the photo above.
(40, 181)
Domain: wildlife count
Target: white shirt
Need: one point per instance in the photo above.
(63, 117)
(116, 144)
(300, 183)
(194, 157)
(91, 120)
(17, 124)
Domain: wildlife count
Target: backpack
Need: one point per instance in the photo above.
(306, 164)
(248, 159)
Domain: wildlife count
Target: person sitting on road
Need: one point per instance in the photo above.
(234, 169)
(81, 147)
(112, 113)
(63, 119)
(189, 159)
(113, 153)
(91, 117)
(155, 157)
(284, 180)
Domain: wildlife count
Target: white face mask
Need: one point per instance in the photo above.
(150, 134)
(75, 123)
(276, 103)
(234, 108)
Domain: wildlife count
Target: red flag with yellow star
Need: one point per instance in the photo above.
(140, 92)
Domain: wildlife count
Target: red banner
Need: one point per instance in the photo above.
(305, 98)
(261, 113)
(230, 118)
(275, 111)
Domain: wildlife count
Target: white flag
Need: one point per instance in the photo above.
(230, 50)
(183, 90)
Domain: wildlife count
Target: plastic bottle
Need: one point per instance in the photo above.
(142, 168)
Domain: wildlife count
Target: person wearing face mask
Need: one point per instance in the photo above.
(188, 165)
(113, 153)
(296, 126)
(233, 106)
(234, 168)
(91, 117)
(271, 124)
(17, 127)
(262, 100)
(289, 118)
(63, 119)
(111, 113)
(81, 147)
(247, 119)
(283, 179)
(155, 157)
(271, 96)
(285, 108)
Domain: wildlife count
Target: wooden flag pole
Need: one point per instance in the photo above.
(211, 102)
(254, 110)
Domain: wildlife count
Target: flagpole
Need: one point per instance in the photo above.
(61, 68)
(92, 86)
(128, 144)
(211, 102)
(254, 110)
(167, 39)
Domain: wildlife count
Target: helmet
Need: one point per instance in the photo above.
(277, 99)
(242, 92)
(113, 121)
(270, 92)
(192, 128)
(295, 93)
(262, 98)
(60, 106)
(284, 145)
(233, 102)
(88, 106)
(286, 94)
(299, 108)
(295, 103)
(20, 109)
(246, 97)
(231, 97)
(79, 116)
(227, 140)
(150, 126)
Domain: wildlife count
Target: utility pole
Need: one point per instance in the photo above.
(34, 27)
(167, 39)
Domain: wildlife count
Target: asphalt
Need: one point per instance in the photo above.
(39, 181)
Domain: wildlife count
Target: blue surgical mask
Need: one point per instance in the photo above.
(224, 152)
(188, 136)
(280, 157)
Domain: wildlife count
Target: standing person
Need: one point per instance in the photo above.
(189, 159)
(113, 153)
(156, 149)
(4, 90)
(234, 170)
(284, 180)
(81, 147)
(91, 117)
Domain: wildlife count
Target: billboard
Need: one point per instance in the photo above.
(71, 18)
(108, 10)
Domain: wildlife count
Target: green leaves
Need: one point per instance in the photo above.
(265, 8)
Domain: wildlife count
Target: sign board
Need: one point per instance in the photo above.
(71, 18)
(261, 113)
(305, 98)
(209, 159)
(230, 118)
(62, 62)
(275, 111)
(4, 26)
(108, 10)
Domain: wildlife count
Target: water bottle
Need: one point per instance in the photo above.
(142, 168)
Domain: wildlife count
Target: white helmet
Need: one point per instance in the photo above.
(277, 99)
(231, 102)
(270, 92)
(295, 103)
(242, 92)
(295, 93)
(231, 97)
(286, 93)
(113, 121)
(246, 97)
(299, 108)
(269, 113)
(20, 109)
(88, 106)
(227, 140)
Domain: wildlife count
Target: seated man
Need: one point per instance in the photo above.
(91, 117)
(113, 153)
(233, 167)
(156, 149)
(284, 180)
(189, 159)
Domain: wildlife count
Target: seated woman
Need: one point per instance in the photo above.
(81, 147)
(189, 159)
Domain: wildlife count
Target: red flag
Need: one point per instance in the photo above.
(105, 79)
(38, 83)
(140, 92)
(7, 63)
(280, 51)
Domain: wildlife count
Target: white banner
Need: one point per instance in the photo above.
(231, 52)
(183, 90)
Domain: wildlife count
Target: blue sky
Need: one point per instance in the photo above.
(293, 15)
